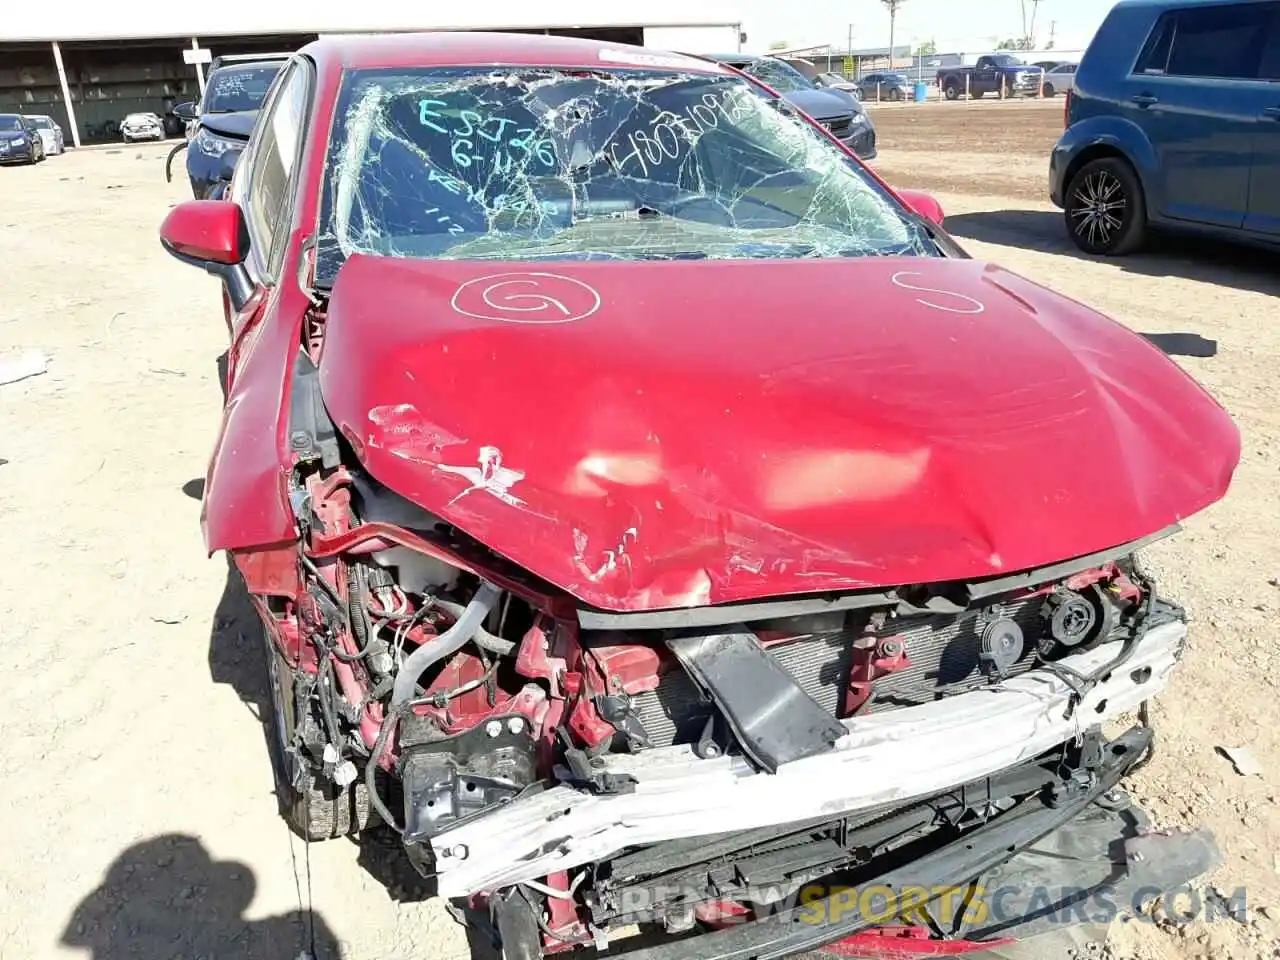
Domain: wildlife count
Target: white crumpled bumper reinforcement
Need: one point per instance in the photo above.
(883, 758)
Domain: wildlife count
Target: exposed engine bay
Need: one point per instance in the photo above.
(565, 773)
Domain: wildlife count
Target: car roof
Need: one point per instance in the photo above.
(248, 64)
(1172, 3)
(245, 57)
(465, 48)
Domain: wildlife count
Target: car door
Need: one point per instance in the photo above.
(984, 75)
(1264, 175)
(263, 189)
(1195, 92)
(242, 502)
(1062, 77)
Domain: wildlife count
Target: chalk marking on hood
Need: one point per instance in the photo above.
(975, 306)
(532, 297)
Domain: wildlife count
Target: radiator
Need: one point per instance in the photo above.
(943, 650)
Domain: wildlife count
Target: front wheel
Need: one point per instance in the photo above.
(895, 95)
(1049, 91)
(1105, 210)
(313, 808)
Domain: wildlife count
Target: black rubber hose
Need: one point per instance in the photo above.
(371, 771)
(168, 163)
(326, 694)
(341, 604)
(356, 579)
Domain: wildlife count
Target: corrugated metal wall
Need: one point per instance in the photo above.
(109, 80)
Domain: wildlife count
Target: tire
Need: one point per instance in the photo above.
(1105, 209)
(895, 95)
(320, 811)
(1049, 91)
(951, 89)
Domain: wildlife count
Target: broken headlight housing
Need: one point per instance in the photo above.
(213, 145)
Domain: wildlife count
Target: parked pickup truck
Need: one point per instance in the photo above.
(989, 75)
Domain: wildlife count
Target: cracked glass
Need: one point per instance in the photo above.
(539, 163)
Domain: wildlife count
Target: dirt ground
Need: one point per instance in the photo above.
(140, 818)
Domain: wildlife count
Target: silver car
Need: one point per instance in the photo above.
(142, 126)
(49, 132)
(1060, 79)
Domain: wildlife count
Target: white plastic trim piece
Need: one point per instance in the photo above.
(883, 758)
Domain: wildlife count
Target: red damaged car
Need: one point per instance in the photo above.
(662, 524)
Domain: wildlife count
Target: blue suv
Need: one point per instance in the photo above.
(1174, 123)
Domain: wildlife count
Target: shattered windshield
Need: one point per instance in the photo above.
(236, 89)
(637, 165)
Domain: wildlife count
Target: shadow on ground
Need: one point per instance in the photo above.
(1193, 258)
(167, 897)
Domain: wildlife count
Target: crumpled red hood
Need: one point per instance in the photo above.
(685, 433)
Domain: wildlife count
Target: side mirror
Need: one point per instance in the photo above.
(211, 234)
(185, 110)
(923, 204)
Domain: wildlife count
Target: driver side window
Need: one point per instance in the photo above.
(264, 198)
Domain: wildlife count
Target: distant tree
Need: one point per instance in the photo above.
(927, 49)
(1007, 45)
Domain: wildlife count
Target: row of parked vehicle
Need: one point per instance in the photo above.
(29, 138)
(1000, 73)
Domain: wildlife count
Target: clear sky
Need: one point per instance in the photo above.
(949, 22)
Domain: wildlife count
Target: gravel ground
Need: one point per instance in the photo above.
(142, 822)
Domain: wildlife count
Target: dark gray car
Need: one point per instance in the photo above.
(224, 119)
(893, 87)
(19, 140)
(837, 110)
